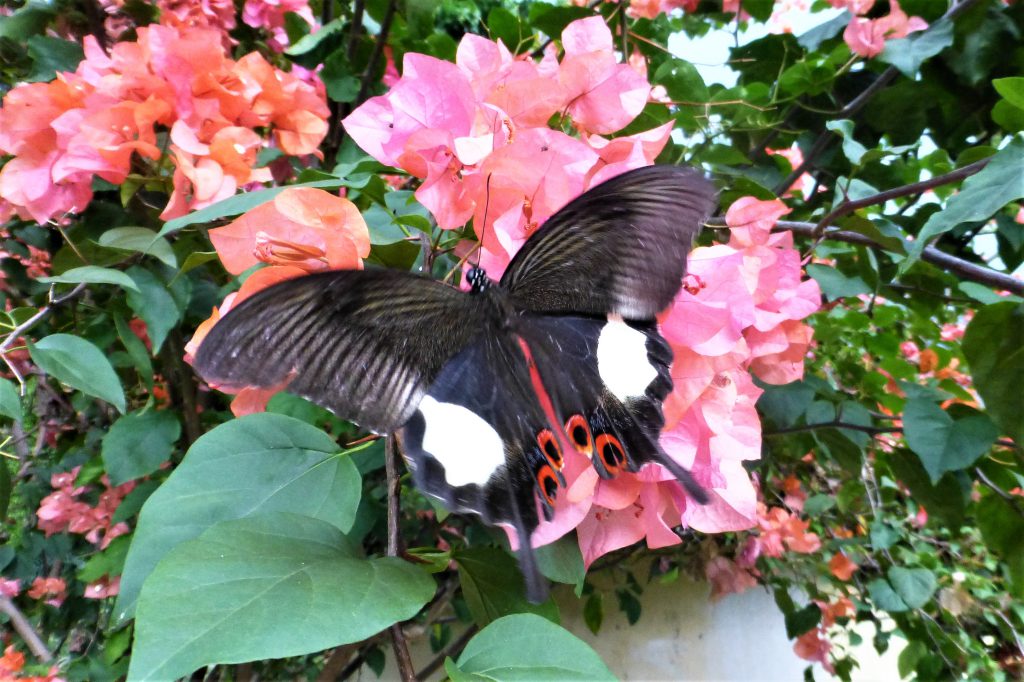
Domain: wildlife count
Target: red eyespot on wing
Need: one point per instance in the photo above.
(579, 434)
(549, 446)
(548, 483)
(610, 450)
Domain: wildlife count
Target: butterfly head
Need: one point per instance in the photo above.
(478, 280)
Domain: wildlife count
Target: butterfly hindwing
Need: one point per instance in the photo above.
(363, 343)
(620, 248)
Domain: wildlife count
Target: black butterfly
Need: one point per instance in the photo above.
(487, 389)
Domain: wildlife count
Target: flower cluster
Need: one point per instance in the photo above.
(103, 119)
(62, 510)
(475, 132)
(301, 230)
(867, 37)
(11, 664)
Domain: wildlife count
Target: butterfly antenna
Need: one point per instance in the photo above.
(487, 206)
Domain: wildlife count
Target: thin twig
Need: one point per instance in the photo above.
(855, 105)
(957, 266)
(847, 207)
(24, 628)
(398, 642)
(1014, 501)
(452, 650)
(378, 50)
(336, 662)
(12, 336)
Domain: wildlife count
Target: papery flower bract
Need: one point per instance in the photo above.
(103, 588)
(270, 14)
(55, 589)
(12, 661)
(9, 587)
(841, 566)
(814, 646)
(603, 95)
(867, 37)
(726, 577)
(301, 227)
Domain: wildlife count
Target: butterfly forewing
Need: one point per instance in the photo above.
(620, 248)
(364, 343)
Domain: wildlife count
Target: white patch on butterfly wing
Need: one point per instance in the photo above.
(622, 360)
(463, 443)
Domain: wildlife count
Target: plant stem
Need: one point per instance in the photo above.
(398, 642)
(24, 628)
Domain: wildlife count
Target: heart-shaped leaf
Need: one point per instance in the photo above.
(253, 465)
(266, 586)
(942, 443)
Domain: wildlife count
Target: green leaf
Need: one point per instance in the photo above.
(945, 500)
(885, 597)
(799, 622)
(92, 274)
(853, 149)
(834, 284)
(879, 230)
(269, 586)
(505, 26)
(1012, 90)
(1008, 117)
(551, 19)
(138, 443)
(311, 41)
(27, 20)
(10, 400)
(493, 585)
(915, 586)
(79, 364)
(682, 81)
(981, 195)
(240, 203)
(141, 240)
(253, 465)
(136, 351)
(813, 38)
(1002, 526)
(908, 658)
(593, 612)
(341, 82)
(50, 55)
(528, 647)
(195, 259)
(992, 346)
(562, 561)
(907, 54)
(153, 304)
(5, 488)
(942, 443)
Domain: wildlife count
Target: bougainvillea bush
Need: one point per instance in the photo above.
(847, 341)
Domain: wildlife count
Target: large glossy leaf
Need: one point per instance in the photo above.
(528, 647)
(138, 443)
(239, 203)
(80, 365)
(92, 274)
(266, 586)
(995, 352)
(254, 465)
(493, 585)
(942, 443)
(141, 240)
(154, 304)
(10, 401)
(907, 54)
(982, 194)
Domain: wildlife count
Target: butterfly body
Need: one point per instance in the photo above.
(491, 392)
